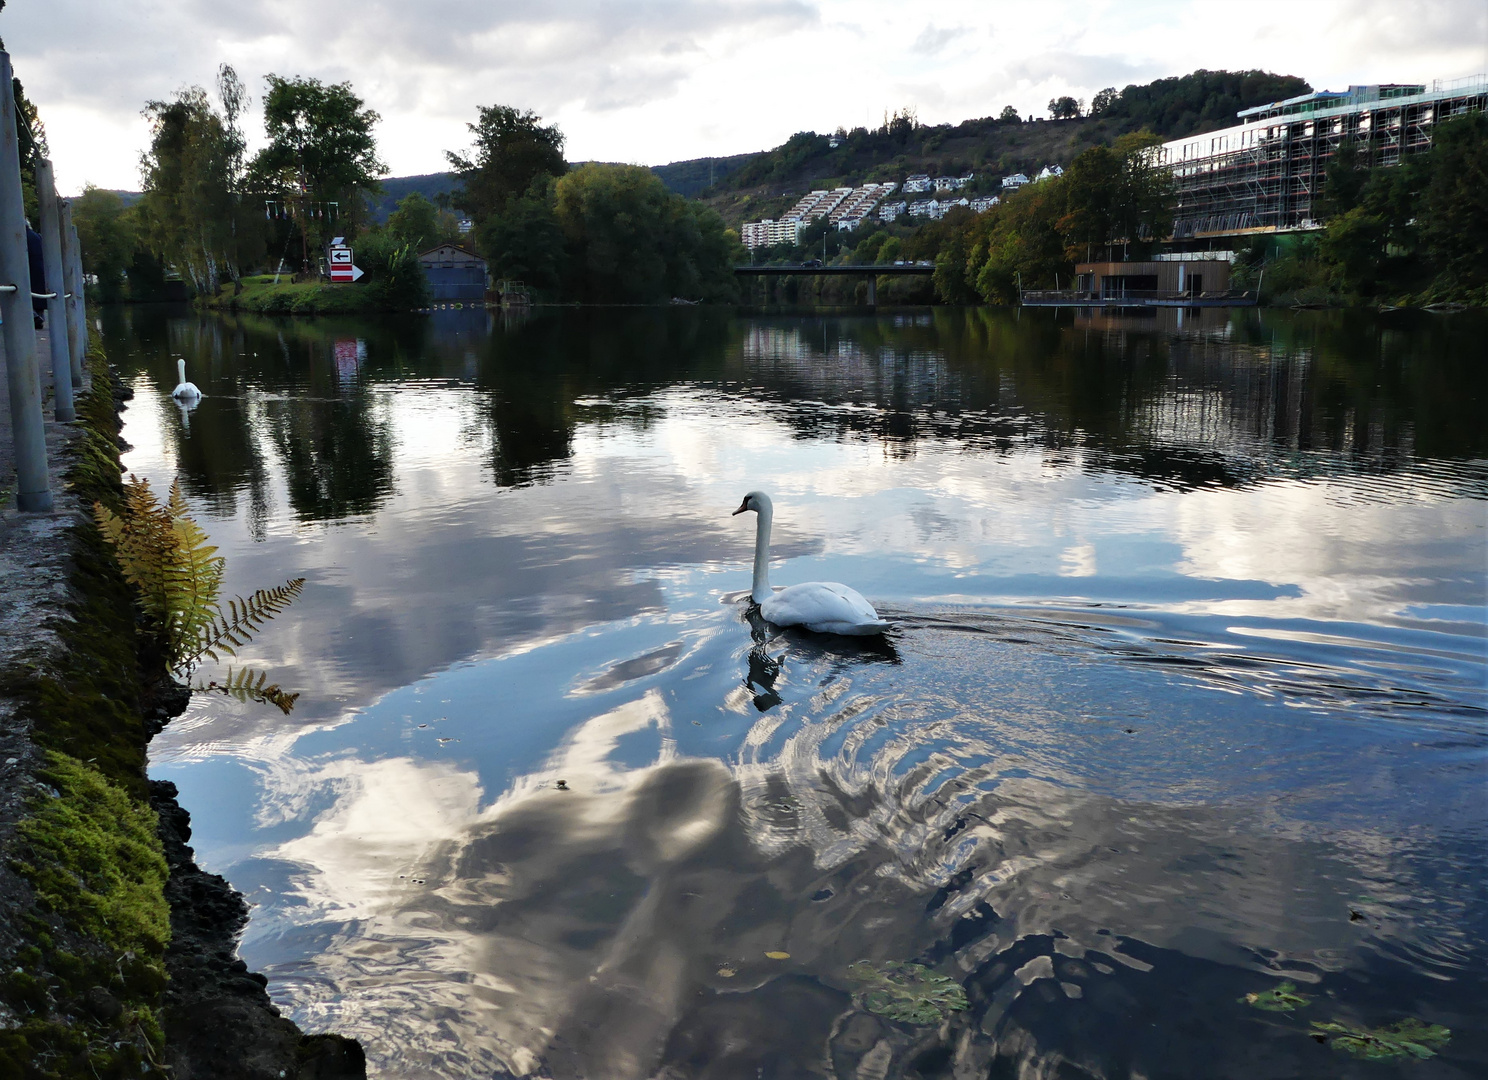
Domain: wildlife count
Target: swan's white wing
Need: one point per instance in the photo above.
(824, 606)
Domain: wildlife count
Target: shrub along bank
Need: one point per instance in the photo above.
(123, 963)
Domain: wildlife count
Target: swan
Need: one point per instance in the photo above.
(823, 606)
(185, 391)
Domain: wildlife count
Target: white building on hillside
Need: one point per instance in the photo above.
(1049, 172)
(1014, 182)
(768, 232)
(889, 211)
(985, 203)
(920, 182)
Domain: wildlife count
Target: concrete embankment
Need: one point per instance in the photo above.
(117, 954)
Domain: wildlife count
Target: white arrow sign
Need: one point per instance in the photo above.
(356, 272)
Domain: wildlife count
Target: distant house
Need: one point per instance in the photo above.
(889, 211)
(454, 274)
(924, 208)
(985, 203)
(920, 182)
(1014, 182)
(953, 183)
(1049, 172)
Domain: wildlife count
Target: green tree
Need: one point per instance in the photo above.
(1009, 115)
(525, 242)
(629, 239)
(106, 235)
(1063, 108)
(415, 221)
(1021, 246)
(321, 151)
(512, 149)
(186, 207)
(1103, 101)
(1453, 217)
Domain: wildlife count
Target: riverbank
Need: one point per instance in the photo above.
(117, 951)
(260, 294)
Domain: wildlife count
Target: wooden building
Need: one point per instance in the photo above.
(455, 274)
(1151, 280)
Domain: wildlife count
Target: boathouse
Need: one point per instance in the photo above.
(1151, 280)
(455, 274)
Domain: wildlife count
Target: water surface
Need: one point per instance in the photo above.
(1185, 695)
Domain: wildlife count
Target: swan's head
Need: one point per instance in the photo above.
(757, 501)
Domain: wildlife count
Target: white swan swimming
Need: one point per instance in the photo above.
(824, 606)
(185, 391)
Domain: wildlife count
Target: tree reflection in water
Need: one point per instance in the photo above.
(1108, 810)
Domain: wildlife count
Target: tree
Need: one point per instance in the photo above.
(244, 236)
(107, 238)
(186, 204)
(415, 221)
(525, 242)
(1064, 108)
(629, 239)
(1115, 194)
(1200, 101)
(1103, 101)
(321, 156)
(1454, 202)
(512, 149)
(1009, 115)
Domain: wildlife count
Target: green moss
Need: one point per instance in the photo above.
(83, 992)
(93, 857)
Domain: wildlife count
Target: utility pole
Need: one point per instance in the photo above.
(27, 426)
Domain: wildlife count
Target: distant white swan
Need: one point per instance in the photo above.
(185, 391)
(823, 606)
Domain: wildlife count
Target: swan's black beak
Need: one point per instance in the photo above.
(742, 507)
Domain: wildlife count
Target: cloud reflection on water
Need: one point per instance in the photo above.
(1146, 589)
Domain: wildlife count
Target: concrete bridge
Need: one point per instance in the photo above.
(872, 272)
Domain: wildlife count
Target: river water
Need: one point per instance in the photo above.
(1184, 697)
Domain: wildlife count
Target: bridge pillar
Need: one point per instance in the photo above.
(873, 290)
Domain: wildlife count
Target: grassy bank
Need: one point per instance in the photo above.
(261, 295)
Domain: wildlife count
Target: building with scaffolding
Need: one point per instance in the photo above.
(1266, 174)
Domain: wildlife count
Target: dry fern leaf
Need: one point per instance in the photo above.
(247, 684)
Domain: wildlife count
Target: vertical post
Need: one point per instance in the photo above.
(56, 307)
(74, 282)
(27, 427)
(80, 294)
(873, 290)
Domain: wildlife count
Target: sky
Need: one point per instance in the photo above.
(653, 81)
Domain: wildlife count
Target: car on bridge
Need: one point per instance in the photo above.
(810, 264)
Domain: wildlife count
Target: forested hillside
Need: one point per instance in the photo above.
(764, 183)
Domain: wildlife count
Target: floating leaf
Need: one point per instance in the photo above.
(1407, 1038)
(911, 993)
(726, 972)
(778, 955)
(1281, 998)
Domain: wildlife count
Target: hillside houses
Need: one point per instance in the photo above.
(849, 207)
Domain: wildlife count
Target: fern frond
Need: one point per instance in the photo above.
(224, 634)
(193, 580)
(247, 684)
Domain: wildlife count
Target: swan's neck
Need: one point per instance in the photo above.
(180, 371)
(761, 591)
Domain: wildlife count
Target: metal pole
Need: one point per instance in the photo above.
(76, 336)
(27, 427)
(80, 294)
(56, 305)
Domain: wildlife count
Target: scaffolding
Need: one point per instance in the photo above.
(1267, 174)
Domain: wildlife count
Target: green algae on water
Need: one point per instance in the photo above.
(1281, 998)
(1406, 1038)
(910, 993)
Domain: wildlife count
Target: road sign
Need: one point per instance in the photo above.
(342, 269)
